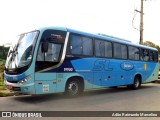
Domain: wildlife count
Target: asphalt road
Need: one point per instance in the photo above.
(111, 99)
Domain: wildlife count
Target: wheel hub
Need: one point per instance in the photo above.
(73, 88)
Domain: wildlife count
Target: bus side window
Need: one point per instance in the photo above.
(81, 45)
(75, 45)
(141, 55)
(155, 56)
(103, 48)
(136, 52)
(151, 55)
(99, 48)
(87, 46)
(117, 50)
(124, 51)
(131, 53)
(108, 49)
(146, 55)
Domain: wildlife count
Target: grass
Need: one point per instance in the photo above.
(2, 86)
(5, 93)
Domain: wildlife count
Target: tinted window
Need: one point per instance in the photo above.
(117, 50)
(152, 56)
(99, 48)
(155, 56)
(103, 48)
(146, 55)
(81, 45)
(108, 49)
(76, 44)
(124, 51)
(133, 53)
(141, 54)
(120, 51)
(136, 52)
(87, 46)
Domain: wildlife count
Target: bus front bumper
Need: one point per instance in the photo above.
(20, 88)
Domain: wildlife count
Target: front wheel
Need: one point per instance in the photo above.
(73, 88)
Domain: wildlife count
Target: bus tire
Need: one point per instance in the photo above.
(136, 84)
(74, 87)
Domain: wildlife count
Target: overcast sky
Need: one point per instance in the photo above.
(112, 17)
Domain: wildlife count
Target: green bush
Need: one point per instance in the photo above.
(2, 86)
(1, 71)
(1, 68)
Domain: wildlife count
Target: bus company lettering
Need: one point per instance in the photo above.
(68, 69)
(127, 66)
(102, 64)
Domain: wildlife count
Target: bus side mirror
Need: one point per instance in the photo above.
(44, 47)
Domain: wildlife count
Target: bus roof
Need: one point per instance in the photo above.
(96, 36)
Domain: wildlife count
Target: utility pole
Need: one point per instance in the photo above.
(141, 23)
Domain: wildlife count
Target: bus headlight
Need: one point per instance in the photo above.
(24, 79)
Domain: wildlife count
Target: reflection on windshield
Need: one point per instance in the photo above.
(21, 54)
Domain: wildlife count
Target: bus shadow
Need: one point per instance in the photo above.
(33, 99)
(60, 96)
(120, 89)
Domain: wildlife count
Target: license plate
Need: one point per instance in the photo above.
(10, 87)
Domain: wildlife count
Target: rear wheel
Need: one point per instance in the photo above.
(136, 84)
(73, 87)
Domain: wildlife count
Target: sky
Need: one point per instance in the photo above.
(111, 17)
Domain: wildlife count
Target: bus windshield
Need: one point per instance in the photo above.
(21, 54)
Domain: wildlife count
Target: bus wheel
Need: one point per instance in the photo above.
(73, 88)
(136, 84)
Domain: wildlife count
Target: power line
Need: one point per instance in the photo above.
(135, 13)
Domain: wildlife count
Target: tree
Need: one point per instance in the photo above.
(3, 52)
